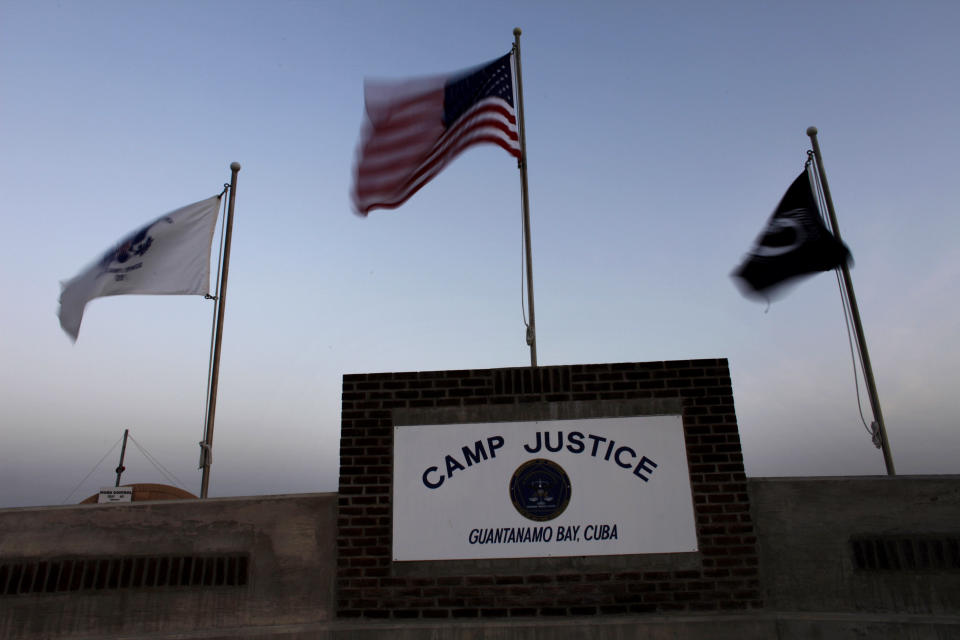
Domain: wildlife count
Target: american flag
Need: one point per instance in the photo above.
(414, 128)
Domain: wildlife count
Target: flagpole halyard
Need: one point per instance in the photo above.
(206, 447)
(521, 126)
(854, 311)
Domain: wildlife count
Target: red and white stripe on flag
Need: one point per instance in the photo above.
(411, 132)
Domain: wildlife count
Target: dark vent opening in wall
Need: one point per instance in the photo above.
(527, 381)
(906, 553)
(22, 577)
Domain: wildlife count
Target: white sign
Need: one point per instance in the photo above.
(115, 494)
(603, 486)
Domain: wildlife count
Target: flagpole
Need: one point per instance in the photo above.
(854, 312)
(123, 453)
(207, 444)
(532, 327)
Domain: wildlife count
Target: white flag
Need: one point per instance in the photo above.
(171, 255)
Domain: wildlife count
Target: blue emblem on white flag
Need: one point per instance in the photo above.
(168, 256)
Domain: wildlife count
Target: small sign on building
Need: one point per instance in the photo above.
(115, 494)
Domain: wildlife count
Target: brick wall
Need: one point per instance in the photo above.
(721, 576)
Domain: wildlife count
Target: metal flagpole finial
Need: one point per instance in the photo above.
(517, 31)
(811, 131)
(235, 166)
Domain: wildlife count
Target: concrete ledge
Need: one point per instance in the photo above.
(542, 411)
(844, 626)
(526, 566)
(755, 626)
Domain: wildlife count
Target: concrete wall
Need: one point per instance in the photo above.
(808, 526)
(811, 586)
(289, 541)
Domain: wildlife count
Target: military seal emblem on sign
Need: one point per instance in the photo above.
(540, 489)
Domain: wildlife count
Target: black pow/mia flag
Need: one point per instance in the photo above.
(795, 242)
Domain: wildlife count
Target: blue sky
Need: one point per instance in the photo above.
(660, 137)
